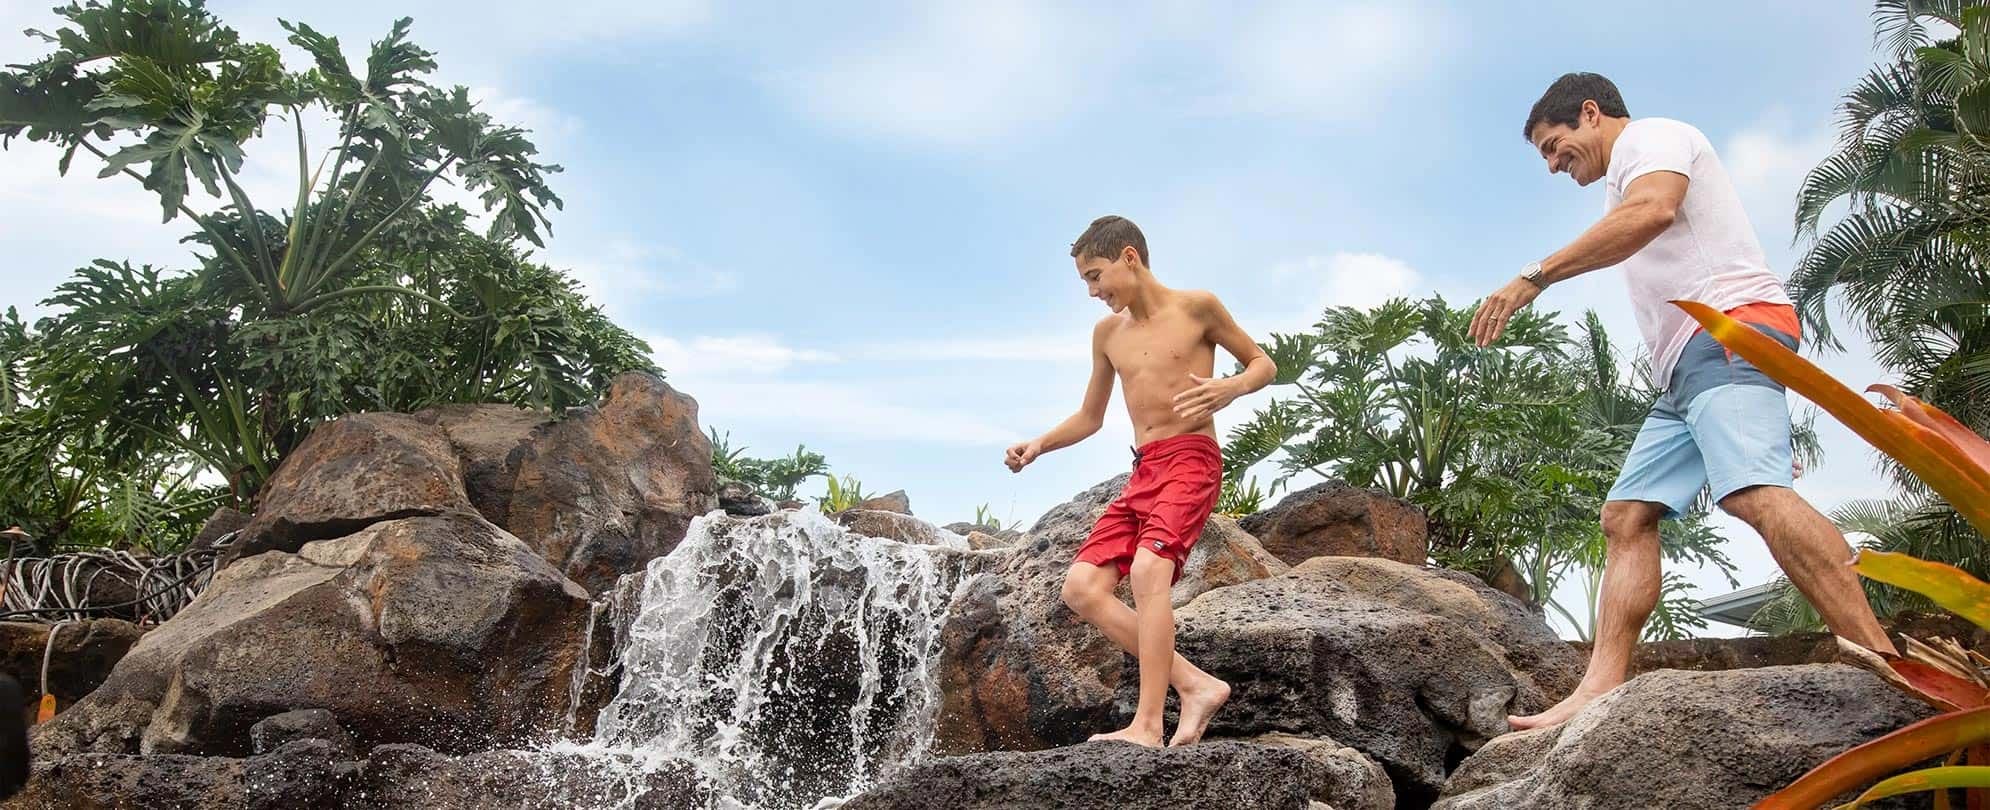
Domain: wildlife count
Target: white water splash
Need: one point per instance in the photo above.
(788, 660)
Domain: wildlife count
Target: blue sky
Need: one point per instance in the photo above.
(847, 225)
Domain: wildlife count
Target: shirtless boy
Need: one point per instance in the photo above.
(1162, 344)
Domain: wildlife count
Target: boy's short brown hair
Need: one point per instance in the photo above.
(1107, 236)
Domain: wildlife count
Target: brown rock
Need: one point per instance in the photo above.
(1019, 670)
(895, 501)
(1414, 667)
(1685, 740)
(84, 653)
(605, 490)
(350, 473)
(896, 526)
(1334, 519)
(489, 442)
(443, 630)
(224, 520)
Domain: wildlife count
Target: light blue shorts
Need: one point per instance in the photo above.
(1722, 424)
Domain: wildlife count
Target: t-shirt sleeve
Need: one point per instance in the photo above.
(1643, 150)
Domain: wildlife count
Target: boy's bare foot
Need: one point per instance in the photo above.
(1559, 713)
(1198, 705)
(1131, 734)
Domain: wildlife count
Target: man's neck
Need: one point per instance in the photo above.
(1612, 127)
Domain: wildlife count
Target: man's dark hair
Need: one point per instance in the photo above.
(1562, 104)
(1107, 236)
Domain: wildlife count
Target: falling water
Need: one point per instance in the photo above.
(788, 660)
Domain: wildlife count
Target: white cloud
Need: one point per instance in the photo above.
(708, 356)
(1767, 162)
(998, 349)
(1339, 279)
(621, 274)
(1328, 60)
(862, 411)
(957, 73)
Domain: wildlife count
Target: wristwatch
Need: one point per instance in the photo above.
(1532, 273)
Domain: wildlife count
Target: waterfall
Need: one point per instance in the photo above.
(788, 660)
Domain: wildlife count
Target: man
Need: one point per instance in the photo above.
(1673, 222)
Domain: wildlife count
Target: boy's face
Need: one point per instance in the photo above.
(1109, 281)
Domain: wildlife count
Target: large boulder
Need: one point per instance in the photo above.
(605, 490)
(599, 492)
(442, 630)
(311, 774)
(83, 655)
(1337, 520)
(1019, 670)
(350, 473)
(1685, 740)
(1413, 666)
(1128, 777)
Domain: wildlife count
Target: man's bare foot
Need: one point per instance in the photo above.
(1198, 705)
(1556, 714)
(1132, 734)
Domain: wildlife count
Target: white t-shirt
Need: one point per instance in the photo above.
(1710, 253)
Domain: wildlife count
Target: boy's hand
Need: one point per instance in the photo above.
(1208, 396)
(1022, 453)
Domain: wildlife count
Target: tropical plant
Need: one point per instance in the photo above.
(843, 494)
(1955, 462)
(1240, 498)
(1510, 449)
(358, 293)
(775, 478)
(1906, 261)
(983, 516)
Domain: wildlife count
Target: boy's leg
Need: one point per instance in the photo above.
(1152, 578)
(1088, 590)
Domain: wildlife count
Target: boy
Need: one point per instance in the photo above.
(1162, 344)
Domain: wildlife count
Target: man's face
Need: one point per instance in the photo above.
(1581, 151)
(1108, 281)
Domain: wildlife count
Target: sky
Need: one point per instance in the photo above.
(848, 225)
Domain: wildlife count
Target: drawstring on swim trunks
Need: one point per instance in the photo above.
(1136, 455)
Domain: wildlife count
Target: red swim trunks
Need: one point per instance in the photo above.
(1174, 486)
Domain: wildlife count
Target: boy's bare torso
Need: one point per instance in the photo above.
(1154, 358)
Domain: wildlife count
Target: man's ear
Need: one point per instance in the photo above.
(1591, 112)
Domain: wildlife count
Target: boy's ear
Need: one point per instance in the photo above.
(1128, 255)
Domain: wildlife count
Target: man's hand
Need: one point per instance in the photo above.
(1022, 453)
(1490, 321)
(1208, 396)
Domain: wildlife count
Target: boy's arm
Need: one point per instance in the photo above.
(1090, 417)
(1212, 394)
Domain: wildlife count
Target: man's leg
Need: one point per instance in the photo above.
(1810, 549)
(1630, 593)
(1088, 590)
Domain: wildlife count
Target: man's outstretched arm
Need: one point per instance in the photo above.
(1650, 205)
